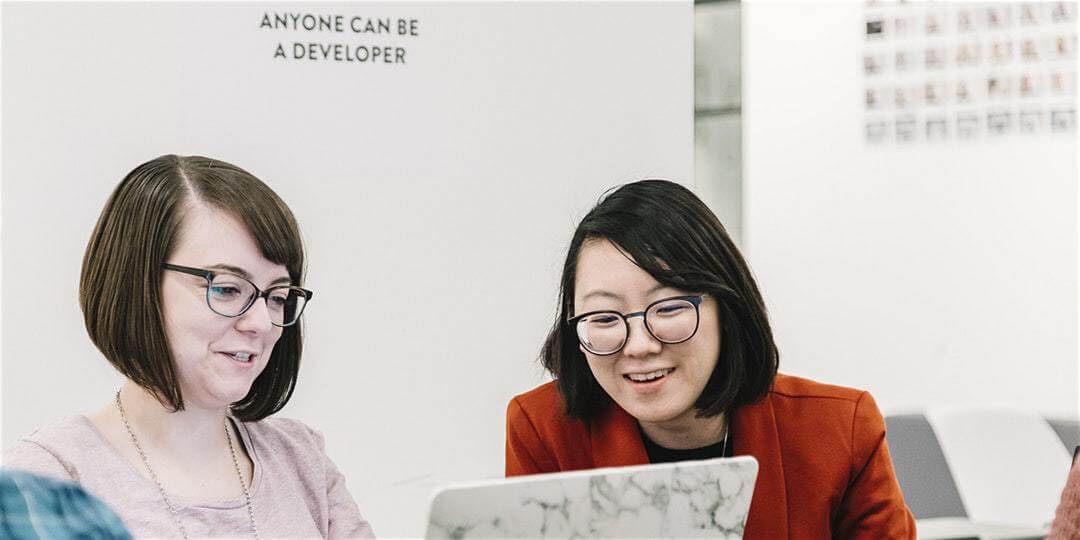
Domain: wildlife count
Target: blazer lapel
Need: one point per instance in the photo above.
(615, 439)
(756, 435)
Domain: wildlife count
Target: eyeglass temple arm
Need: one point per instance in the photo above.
(188, 270)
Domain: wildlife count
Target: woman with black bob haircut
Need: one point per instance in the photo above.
(191, 288)
(662, 351)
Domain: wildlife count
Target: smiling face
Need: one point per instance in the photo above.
(607, 279)
(209, 349)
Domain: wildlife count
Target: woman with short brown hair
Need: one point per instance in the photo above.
(192, 288)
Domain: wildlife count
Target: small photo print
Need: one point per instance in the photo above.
(1029, 13)
(1057, 82)
(968, 54)
(1029, 51)
(902, 60)
(875, 28)
(1062, 12)
(935, 58)
(1063, 46)
(873, 99)
(905, 128)
(902, 25)
(1027, 86)
(965, 20)
(997, 16)
(1031, 121)
(999, 123)
(903, 98)
(1061, 82)
(963, 92)
(933, 23)
(933, 94)
(937, 129)
(1062, 120)
(876, 131)
(1001, 51)
(967, 126)
(997, 87)
(872, 64)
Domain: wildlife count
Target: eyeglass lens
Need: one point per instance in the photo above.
(669, 321)
(231, 296)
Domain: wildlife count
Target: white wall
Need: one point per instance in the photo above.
(436, 197)
(929, 273)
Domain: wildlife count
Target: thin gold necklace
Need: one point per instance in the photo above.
(165, 496)
(724, 449)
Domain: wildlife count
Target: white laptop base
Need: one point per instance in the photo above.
(708, 498)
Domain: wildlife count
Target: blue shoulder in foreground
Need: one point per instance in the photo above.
(33, 506)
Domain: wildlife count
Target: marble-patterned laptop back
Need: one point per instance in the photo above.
(708, 498)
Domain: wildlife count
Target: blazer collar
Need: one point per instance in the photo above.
(616, 442)
(756, 435)
(615, 439)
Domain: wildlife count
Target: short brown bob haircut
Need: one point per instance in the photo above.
(672, 235)
(120, 285)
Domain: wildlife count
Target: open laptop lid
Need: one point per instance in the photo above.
(708, 498)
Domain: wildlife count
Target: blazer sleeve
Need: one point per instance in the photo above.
(525, 451)
(873, 506)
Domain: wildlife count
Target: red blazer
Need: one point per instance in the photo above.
(824, 468)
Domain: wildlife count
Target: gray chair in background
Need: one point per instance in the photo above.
(1068, 431)
(923, 472)
(921, 469)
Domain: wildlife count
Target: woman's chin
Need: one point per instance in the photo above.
(654, 413)
(217, 398)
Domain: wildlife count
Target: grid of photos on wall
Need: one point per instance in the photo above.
(968, 71)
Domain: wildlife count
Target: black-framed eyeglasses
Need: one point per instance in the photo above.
(230, 295)
(670, 320)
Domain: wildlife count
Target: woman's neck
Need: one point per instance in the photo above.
(187, 453)
(192, 432)
(687, 431)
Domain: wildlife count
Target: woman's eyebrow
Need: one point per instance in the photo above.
(656, 288)
(236, 270)
(601, 294)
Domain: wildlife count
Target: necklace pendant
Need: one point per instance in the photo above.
(161, 487)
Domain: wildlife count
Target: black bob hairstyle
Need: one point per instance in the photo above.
(672, 235)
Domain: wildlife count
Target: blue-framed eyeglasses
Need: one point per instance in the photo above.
(231, 295)
(670, 320)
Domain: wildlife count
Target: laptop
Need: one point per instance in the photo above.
(707, 498)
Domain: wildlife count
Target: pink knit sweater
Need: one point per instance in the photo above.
(1067, 521)
(297, 491)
